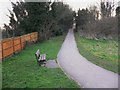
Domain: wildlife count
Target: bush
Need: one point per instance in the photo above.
(101, 29)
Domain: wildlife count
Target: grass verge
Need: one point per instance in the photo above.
(22, 70)
(103, 53)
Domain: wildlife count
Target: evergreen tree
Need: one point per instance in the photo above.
(16, 17)
(47, 18)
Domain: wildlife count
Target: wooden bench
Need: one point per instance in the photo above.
(41, 58)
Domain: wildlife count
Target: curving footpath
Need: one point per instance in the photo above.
(85, 73)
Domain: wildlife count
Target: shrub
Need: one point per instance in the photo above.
(104, 28)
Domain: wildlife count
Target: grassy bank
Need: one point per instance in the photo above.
(100, 52)
(22, 70)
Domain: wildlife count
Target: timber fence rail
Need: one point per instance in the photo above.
(9, 46)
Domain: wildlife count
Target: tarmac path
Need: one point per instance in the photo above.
(85, 73)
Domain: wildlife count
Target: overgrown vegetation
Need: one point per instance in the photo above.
(22, 70)
(98, 34)
(47, 18)
(98, 24)
(101, 29)
(103, 53)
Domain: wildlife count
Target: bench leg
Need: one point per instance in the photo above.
(39, 63)
(42, 63)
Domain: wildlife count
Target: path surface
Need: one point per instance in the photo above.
(87, 75)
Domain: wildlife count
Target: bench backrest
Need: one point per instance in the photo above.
(37, 54)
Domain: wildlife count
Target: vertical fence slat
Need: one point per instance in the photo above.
(13, 46)
(20, 44)
(30, 37)
(7, 47)
(2, 48)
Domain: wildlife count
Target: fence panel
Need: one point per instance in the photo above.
(17, 44)
(11, 45)
(22, 41)
(27, 37)
(34, 36)
(7, 46)
(0, 49)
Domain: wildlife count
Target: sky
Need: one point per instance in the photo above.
(75, 4)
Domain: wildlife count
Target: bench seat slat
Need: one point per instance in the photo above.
(43, 57)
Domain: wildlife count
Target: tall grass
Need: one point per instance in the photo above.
(100, 52)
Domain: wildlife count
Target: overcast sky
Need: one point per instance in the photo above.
(75, 4)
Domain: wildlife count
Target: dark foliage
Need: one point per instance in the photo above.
(47, 18)
(90, 26)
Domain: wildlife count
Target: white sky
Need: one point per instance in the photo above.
(81, 3)
(75, 4)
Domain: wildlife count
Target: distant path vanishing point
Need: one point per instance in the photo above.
(85, 73)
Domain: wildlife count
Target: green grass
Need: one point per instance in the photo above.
(101, 52)
(22, 70)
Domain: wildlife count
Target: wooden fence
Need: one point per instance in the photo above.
(11, 45)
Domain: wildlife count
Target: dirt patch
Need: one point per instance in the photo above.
(51, 64)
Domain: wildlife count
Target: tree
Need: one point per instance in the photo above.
(94, 12)
(47, 18)
(38, 17)
(106, 8)
(16, 17)
(84, 16)
(63, 17)
(118, 11)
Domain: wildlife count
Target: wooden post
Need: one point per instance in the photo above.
(13, 45)
(2, 48)
(30, 38)
(20, 43)
(23, 41)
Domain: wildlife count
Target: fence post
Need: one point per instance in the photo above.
(30, 38)
(20, 43)
(2, 48)
(13, 45)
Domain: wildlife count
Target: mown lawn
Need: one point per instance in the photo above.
(101, 52)
(22, 70)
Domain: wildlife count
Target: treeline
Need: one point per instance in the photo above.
(47, 18)
(95, 24)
